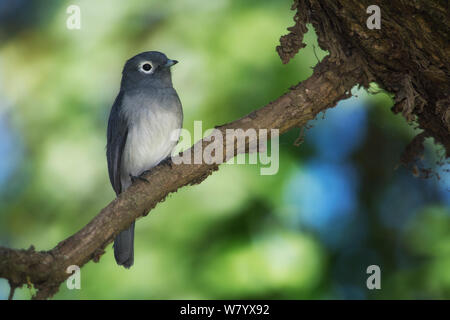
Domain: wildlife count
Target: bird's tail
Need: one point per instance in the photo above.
(124, 247)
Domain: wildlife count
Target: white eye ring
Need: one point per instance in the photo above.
(146, 67)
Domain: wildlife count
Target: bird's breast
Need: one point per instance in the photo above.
(153, 125)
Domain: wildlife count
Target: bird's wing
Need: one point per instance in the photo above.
(116, 139)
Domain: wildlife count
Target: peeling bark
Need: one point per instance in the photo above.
(408, 56)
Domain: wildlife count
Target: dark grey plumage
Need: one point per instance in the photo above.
(141, 129)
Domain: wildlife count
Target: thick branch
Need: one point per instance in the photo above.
(47, 270)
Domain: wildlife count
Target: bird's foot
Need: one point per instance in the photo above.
(139, 177)
(167, 162)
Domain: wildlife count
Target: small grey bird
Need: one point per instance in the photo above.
(141, 126)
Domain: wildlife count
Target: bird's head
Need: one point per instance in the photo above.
(147, 69)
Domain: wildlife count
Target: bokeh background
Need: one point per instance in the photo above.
(339, 203)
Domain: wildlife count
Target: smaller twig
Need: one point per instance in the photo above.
(315, 54)
(300, 139)
(12, 289)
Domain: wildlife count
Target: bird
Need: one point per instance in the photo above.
(143, 129)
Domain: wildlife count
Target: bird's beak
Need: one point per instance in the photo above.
(171, 63)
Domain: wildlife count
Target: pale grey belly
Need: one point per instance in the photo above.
(151, 138)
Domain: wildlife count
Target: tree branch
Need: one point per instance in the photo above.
(329, 83)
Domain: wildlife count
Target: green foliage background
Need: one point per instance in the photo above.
(232, 236)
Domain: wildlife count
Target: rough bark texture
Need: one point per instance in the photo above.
(408, 57)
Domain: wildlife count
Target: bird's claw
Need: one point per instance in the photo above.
(167, 162)
(139, 177)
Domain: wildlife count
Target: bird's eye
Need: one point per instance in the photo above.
(146, 67)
